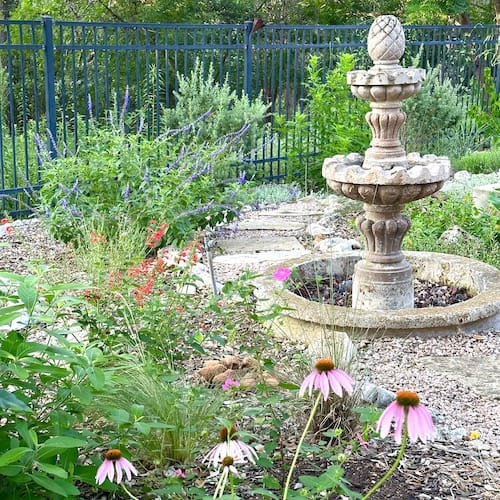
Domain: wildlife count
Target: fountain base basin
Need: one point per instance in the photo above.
(308, 321)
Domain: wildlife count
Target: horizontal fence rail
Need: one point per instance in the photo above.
(56, 77)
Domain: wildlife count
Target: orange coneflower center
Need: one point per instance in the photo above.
(224, 433)
(227, 461)
(113, 455)
(407, 398)
(324, 365)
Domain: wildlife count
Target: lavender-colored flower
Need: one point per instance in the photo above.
(242, 178)
(282, 273)
(126, 101)
(326, 377)
(113, 460)
(89, 106)
(230, 445)
(126, 192)
(407, 408)
(147, 177)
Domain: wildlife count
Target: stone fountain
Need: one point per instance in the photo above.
(384, 180)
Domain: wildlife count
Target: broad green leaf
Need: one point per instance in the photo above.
(63, 442)
(264, 493)
(53, 469)
(10, 401)
(9, 314)
(143, 427)
(11, 470)
(119, 416)
(59, 486)
(29, 435)
(271, 482)
(97, 378)
(82, 393)
(12, 277)
(13, 455)
(28, 294)
(20, 372)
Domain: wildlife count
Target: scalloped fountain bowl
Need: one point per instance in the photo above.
(307, 321)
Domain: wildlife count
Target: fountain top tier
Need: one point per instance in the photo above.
(386, 84)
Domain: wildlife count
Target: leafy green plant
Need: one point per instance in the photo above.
(165, 421)
(430, 218)
(336, 118)
(434, 112)
(44, 386)
(480, 162)
(115, 177)
(489, 117)
(217, 109)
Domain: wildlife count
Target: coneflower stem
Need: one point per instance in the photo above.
(394, 466)
(128, 493)
(299, 446)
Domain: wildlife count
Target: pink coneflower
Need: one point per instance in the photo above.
(282, 273)
(326, 377)
(113, 459)
(230, 445)
(406, 407)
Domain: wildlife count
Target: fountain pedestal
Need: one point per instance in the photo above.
(385, 178)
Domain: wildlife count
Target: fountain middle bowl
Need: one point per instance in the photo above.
(306, 321)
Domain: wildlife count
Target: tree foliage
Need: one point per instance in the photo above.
(271, 11)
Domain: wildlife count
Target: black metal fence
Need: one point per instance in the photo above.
(57, 76)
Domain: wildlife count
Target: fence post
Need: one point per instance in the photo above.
(247, 70)
(50, 87)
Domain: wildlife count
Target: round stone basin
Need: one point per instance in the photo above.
(307, 320)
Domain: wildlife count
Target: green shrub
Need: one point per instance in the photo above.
(431, 218)
(223, 112)
(336, 120)
(434, 114)
(115, 177)
(489, 118)
(45, 382)
(480, 162)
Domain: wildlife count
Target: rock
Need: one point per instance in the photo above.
(231, 362)
(318, 229)
(375, 395)
(456, 236)
(222, 377)
(337, 245)
(462, 175)
(211, 370)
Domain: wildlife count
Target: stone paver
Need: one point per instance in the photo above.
(250, 245)
(270, 225)
(258, 257)
(479, 373)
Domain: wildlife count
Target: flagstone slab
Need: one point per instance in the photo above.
(270, 225)
(482, 373)
(242, 259)
(251, 245)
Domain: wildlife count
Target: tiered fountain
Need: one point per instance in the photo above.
(385, 179)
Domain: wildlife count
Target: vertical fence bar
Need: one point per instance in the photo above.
(50, 87)
(247, 71)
